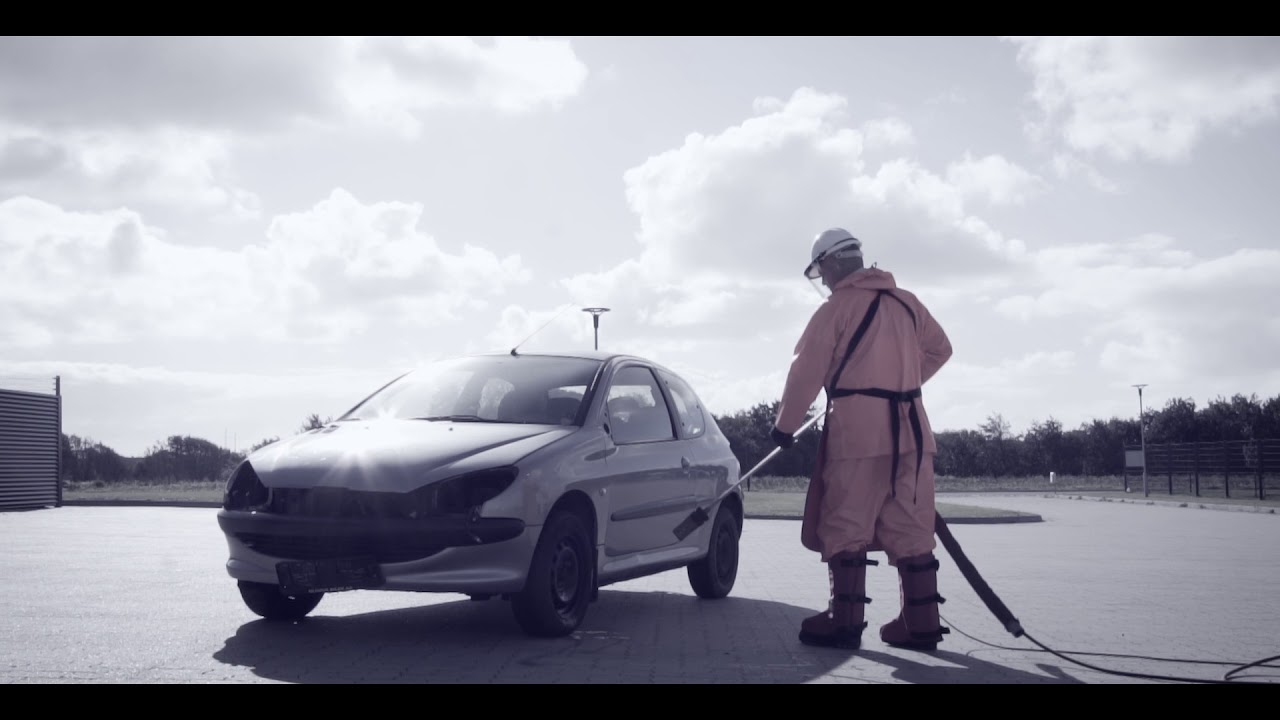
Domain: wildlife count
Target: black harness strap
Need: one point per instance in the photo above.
(893, 397)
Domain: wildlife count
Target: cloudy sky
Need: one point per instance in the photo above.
(220, 236)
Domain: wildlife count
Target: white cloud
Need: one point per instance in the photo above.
(994, 179)
(249, 82)
(1066, 165)
(100, 170)
(394, 80)
(692, 306)
(532, 330)
(745, 203)
(239, 385)
(99, 122)
(940, 238)
(1031, 382)
(725, 395)
(887, 133)
(1152, 97)
(154, 82)
(608, 75)
(621, 285)
(982, 380)
(1150, 304)
(320, 275)
(1095, 276)
(1147, 354)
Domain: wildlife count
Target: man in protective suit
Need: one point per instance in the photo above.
(871, 345)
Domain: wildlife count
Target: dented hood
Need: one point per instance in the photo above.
(396, 455)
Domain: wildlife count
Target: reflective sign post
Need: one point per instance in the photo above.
(1142, 436)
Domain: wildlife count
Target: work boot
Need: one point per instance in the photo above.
(917, 626)
(841, 625)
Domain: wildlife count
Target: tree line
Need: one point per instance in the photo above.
(1095, 448)
(178, 458)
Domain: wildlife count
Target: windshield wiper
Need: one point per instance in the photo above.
(458, 418)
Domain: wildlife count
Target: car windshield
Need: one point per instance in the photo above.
(499, 388)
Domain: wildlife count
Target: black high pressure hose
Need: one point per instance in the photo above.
(970, 573)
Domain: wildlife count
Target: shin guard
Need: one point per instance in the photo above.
(842, 624)
(917, 626)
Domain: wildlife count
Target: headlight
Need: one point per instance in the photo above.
(244, 490)
(460, 494)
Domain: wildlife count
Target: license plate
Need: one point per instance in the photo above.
(333, 575)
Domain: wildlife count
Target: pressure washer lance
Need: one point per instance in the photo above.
(700, 516)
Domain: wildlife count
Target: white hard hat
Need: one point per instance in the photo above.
(835, 242)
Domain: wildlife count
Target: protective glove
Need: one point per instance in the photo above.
(781, 439)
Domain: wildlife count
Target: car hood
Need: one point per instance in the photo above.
(396, 455)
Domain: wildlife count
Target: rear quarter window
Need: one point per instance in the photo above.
(693, 421)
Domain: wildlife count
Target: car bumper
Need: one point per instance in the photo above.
(454, 554)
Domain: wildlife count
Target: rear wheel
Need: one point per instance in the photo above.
(267, 601)
(561, 579)
(713, 576)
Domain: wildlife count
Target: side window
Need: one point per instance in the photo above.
(688, 409)
(637, 410)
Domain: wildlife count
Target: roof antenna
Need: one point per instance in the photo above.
(535, 332)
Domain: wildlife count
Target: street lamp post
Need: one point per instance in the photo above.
(596, 312)
(1142, 435)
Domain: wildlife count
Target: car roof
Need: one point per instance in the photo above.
(600, 355)
(604, 356)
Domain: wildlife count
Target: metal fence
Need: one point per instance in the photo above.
(30, 446)
(1239, 468)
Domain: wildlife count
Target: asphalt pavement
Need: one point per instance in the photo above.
(1103, 592)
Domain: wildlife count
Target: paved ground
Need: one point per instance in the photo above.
(140, 595)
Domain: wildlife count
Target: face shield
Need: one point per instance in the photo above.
(813, 271)
(820, 288)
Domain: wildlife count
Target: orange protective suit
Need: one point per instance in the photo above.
(872, 486)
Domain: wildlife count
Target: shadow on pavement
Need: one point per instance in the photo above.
(628, 637)
(962, 669)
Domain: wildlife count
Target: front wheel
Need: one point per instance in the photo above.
(713, 576)
(561, 579)
(267, 601)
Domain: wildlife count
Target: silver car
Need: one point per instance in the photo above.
(534, 478)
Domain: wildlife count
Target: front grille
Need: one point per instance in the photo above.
(343, 503)
(313, 547)
(457, 496)
(329, 522)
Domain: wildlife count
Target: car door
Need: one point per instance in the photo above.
(705, 476)
(648, 474)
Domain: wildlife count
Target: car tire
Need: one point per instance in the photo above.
(561, 579)
(713, 576)
(267, 601)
